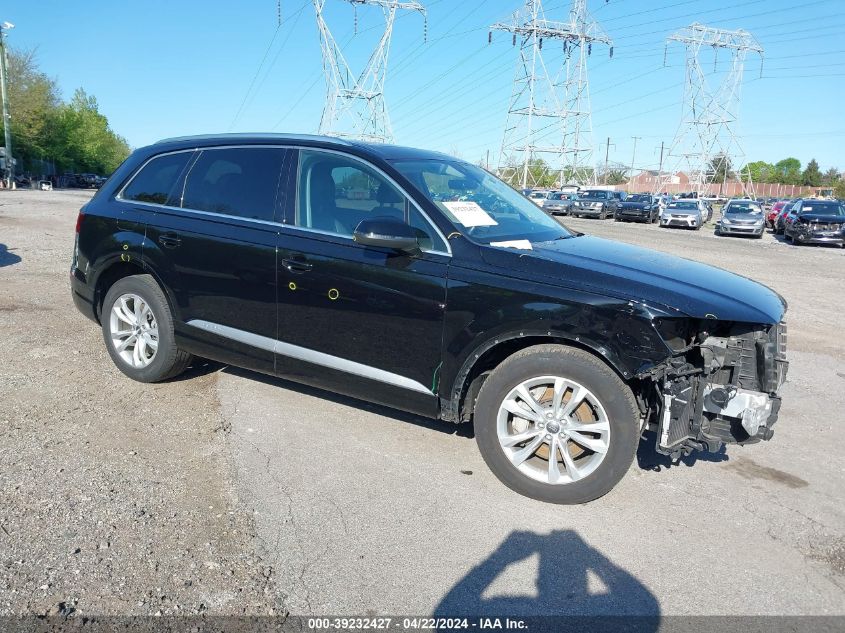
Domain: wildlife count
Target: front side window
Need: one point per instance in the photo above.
(336, 193)
(480, 205)
(156, 181)
(239, 181)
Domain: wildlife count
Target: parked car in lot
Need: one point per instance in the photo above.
(595, 203)
(686, 213)
(559, 202)
(741, 217)
(780, 220)
(640, 207)
(537, 196)
(816, 222)
(772, 214)
(560, 348)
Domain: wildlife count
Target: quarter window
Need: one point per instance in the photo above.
(240, 181)
(336, 193)
(156, 181)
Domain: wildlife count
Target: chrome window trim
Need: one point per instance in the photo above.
(310, 356)
(214, 214)
(119, 195)
(387, 177)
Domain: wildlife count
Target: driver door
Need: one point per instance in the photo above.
(360, 320)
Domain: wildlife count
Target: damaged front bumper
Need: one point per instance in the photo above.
(722, 390)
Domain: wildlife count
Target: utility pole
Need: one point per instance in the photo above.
(606, 157)
(660, 169)
(355, 106)
(549, 113)
(634, 156)
(7, 119)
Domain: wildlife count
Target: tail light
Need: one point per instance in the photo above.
(79, 219)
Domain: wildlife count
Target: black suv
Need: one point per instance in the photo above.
(422, 282)
(596, 203)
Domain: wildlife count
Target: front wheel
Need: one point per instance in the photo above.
(556, 424)
(138, 330)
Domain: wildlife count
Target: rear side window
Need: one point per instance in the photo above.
(156, 181)
(240, 181)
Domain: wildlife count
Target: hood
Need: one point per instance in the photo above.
(634, 205)
(633, 273)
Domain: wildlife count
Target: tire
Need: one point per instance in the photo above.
(164, 362)
(596, 472)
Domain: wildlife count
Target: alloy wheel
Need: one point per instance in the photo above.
(133, 330)
(553, 430)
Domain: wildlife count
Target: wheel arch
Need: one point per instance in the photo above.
(120, 269)
(491, 354)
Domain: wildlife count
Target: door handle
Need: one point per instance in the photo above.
(297, 265)
(169, 240)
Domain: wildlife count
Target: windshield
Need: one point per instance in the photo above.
(590, 194)
(683, 206)
(823, 208)
(638, 197)
(743, 207)
(479, 204)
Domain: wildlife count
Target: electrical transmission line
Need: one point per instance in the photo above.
(556, 95)
(355, 106)
(706, 145)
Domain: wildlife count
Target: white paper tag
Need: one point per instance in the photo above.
(469, 213)
(521, 244)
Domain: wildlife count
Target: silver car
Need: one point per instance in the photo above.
(689, 214)
(742, 217)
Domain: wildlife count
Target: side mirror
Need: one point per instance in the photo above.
(386, 233)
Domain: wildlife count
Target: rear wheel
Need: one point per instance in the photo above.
(138, 330)
(556, 424)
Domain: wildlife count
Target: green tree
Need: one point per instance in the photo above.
(616, 174)
(839, 189)
(33, 99)
(75, 136)
(831, 176)
(720, 168)
(788, 171)
(811, 177)
(83, 139)
(759, 171)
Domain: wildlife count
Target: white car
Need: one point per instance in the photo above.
(689, 214)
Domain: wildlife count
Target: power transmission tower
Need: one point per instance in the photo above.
(549, 114)
(355, 106)
(707, 146)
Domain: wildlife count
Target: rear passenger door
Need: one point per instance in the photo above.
(214, 245)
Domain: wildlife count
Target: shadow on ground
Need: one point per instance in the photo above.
(449, 428)
(572, 579)
(649, 459)
(7, 257)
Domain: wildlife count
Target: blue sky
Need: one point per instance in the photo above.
(162, 69)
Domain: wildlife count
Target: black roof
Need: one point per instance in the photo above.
(385, 152)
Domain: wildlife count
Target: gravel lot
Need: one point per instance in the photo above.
(228, 492)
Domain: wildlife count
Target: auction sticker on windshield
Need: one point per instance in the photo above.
(469, 213)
